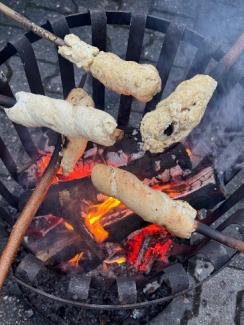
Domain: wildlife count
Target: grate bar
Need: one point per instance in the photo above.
(225, 206)
(8, 160)
(28, 58)
(133, 53)
(9, 197)
(167, 55)
(22, 131)
(61, 28)
(99, 39)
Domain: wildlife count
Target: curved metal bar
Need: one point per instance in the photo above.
(115, 307)
(133, 53)
(8, 160)
(6, 216)
(200, 62)
(8, 196)
(28, 58)
(225, 206)
(23, 133)
(99, 39)
(61, 28)
(167, 55)
(123, 18)
(119, 18)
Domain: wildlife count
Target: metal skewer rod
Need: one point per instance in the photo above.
(28, 24)
(220, 237)
(7, 101)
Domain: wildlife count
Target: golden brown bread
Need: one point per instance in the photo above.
(182, 110)
(124, 77)
(153, 206)
(76, 145)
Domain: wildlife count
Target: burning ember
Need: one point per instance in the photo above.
(74, 261)
(118, 260)
(81, 169)
(148, 245)
(68, 226)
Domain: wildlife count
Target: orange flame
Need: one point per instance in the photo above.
(94, 215)
(118, 260)
(68, 226)
(74, 261)
(189, 152)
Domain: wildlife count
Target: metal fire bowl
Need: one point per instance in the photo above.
(224, 72)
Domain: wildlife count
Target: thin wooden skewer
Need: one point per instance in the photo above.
(28, 24)
(27, 214)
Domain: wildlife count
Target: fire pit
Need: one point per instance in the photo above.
(87, 250)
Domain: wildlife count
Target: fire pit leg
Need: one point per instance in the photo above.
(127, 291)
(79, 286)
(29, 268)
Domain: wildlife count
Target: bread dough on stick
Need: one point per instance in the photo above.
(141, 81)
(181, 111)
(33, 110)
(153, 206)
(75, 146)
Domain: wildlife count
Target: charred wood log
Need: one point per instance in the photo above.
(151, 165)
(201, 188)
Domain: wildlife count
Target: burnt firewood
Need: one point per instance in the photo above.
(50, 238)
(151, 165)
(201, 188)
(62, 249)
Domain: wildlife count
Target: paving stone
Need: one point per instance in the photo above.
(230, 15)
(175, 311)
(183, 12)
(175, 7)
(64, 7)
(238, 262)
(218, 299)
(152, 44)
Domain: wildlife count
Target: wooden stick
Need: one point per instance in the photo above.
(26, 23)
(24, 220)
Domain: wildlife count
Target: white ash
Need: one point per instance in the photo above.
(91, 152)
(118, 158)
(202, 269)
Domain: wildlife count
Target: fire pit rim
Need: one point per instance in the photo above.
(76, 20)
(120, 306)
